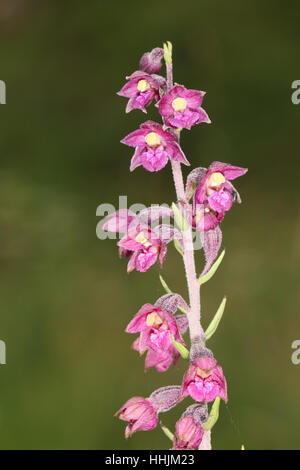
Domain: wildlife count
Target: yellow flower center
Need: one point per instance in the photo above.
(153, 139)
(215, 180)
(179, 104)
(140, 238)
(143, 85)
(153, 319)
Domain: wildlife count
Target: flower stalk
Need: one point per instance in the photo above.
(202, 202)
(196, 331)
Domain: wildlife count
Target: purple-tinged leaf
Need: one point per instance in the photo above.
(198, 411)
(170, 303)
(167, 233)
(182, 323)
(211, 242)
(166, 398)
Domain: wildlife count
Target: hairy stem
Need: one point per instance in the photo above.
(206, 441)
(196, 331)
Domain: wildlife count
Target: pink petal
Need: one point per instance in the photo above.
(231, 172)
(135, 138)
(137, 324)
(175, 152)
(136, 159)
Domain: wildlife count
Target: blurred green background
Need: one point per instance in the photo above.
(65, 295)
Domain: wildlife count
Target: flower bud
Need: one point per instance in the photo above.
(141, 413)
(151, 61)
(188, 433)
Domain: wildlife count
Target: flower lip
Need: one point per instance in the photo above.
(179, 104)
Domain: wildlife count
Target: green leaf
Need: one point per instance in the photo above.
(212, 270)
(165, 286)
(177, 246)
(179, 219)
(168, 291)
(193, 188)
(183, 351)
(216, 320)
(213, 415)
(167, 432)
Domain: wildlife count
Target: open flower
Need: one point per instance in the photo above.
(156, 328)
(204, 380)
(143, 247)
(181, 107)
(140, 413)
(214, 194)
(188, 434)
(141, 89)
(153, 147)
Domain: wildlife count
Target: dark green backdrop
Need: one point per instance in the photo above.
(65, 296)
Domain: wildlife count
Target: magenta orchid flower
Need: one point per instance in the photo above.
(140, 413)
(188, 430)
(188, 434)
(141, 89)
(154, 146)
(157, 328)
(204, 380)
(181, 107)
(143, 247)
(214, 194)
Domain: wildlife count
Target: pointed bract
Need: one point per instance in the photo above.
(165, 398)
